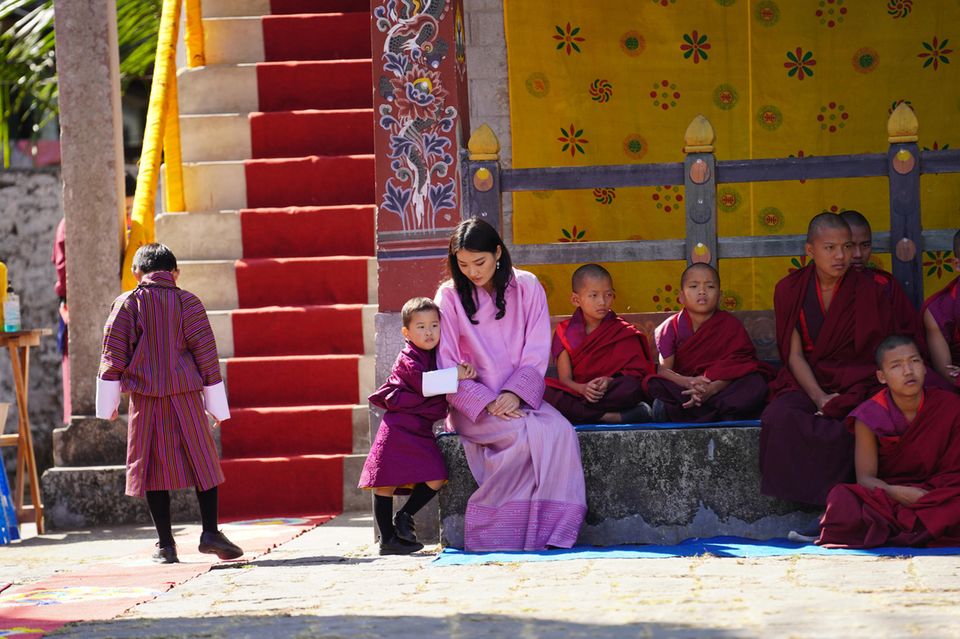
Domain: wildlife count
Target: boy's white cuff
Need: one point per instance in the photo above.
(215, 398)
(108, 398)
(441, 382)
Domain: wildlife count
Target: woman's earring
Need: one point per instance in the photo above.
(498, 265)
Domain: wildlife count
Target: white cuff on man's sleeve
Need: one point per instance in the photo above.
(108, 398)
(215, 398)
(440, 382)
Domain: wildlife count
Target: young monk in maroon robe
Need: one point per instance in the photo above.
(602, 359)
(907, 461)
(404, 457)
(830, 319)
(709, 369)
(941, 319)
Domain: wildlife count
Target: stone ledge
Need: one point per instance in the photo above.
(86, 497)
(654, 486)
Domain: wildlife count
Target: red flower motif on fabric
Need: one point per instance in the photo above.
(571, 140)
(938, 262)
(573, 235)
(937, 147)
(799, 62)
(936, 53)
(695, 45)
(568, 39)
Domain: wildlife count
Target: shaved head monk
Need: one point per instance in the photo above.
(708, 366)
(941, 319)
(602, 359)
(830, 319)
(907, 462)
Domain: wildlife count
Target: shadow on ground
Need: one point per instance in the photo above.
(458, 626)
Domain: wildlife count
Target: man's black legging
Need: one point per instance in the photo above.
(159, 503)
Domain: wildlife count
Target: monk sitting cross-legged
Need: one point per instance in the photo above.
(830, 319)
(907, 461)
(709, 369)
(602, 359)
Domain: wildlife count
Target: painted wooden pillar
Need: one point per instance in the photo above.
(700, 192)
(480, 175)
(420, 108)
(903, 160)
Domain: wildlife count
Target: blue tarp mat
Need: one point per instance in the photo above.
(739, 547)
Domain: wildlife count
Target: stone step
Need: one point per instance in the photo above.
(282, 38)
(212, 235)
(229, 8)
(279, 182)
(213, 137)
(214, 186)
(215, 282)
(251, 393)
(221, 88)
(232, 40)
(222, 324)
(77, 497)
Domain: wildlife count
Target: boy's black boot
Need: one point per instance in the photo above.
(216, 543)
(165, 554)
(397, 546)
(404, 527)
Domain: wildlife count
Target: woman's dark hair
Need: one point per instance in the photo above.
(476, 235)
(154, 257)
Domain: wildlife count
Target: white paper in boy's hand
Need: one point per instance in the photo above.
(440, 382)
(108, 398)
(215, 399)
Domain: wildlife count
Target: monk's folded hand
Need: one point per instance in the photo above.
(596, 389)
(825, 399)
(906, 495)
(953, 371)
(696, 398)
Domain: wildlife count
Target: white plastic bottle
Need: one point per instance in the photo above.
(11, 312)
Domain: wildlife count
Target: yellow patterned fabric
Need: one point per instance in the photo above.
(617, 82)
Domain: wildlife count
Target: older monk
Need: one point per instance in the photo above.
(830, 319)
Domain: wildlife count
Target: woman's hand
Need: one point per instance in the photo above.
(506, 406)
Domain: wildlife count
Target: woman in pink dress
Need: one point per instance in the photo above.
(522, 452)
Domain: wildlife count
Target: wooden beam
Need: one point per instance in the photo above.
(590, 177)
(807, 168)
(582, 252)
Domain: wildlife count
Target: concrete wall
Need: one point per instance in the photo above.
(30, 208)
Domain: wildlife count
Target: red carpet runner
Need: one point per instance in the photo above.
(307, 237)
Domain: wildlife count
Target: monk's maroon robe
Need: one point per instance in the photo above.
(924, 453)
(802, 454)
(720, 349)
(614, 349)
(944, 306)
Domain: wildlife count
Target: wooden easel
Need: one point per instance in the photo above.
(18, 345)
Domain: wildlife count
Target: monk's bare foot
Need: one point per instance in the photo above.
(611, 418)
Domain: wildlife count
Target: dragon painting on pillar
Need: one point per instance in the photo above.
(418, 102)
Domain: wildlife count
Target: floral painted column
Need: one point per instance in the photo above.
(420, 105)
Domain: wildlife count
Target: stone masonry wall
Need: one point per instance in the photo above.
(30, 208)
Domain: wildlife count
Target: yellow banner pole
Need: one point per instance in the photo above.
(144, 199)
(171, 148)
(196, 56)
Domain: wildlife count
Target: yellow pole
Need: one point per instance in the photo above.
(171, 148)
(196, 57)
(144, 200)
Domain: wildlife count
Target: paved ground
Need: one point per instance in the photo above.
(330, 583)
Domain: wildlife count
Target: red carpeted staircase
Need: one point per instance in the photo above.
(295, 374)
